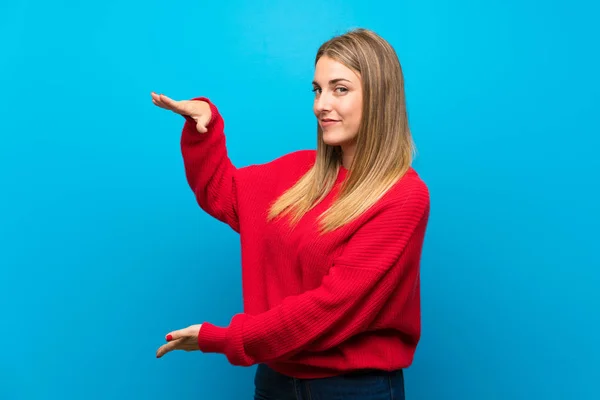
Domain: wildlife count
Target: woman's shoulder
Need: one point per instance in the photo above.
(298, 161)
(413, 180)
(409, 191)
(285, 168)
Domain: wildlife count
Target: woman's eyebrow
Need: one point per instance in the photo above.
(333, 81)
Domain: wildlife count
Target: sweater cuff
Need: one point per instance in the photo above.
(237, 350)
(228, 341)
(211, 338)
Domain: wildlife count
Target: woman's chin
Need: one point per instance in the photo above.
(332, 140)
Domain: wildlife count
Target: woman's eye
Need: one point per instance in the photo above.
(338, 89)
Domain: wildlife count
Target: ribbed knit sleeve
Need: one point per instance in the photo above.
(369, 271)
(208, 169)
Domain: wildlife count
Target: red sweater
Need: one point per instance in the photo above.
(313, 306)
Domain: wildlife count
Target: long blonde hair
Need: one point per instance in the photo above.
(384, 147)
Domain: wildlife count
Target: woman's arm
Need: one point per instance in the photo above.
(208, 169)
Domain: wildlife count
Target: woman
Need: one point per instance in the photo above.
(331, 239)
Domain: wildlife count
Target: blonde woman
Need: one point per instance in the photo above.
(331, 239)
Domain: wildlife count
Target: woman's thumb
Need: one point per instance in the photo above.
(201, 123)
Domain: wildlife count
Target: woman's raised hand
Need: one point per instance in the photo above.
(199, 111)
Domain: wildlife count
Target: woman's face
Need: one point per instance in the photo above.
(338, 103)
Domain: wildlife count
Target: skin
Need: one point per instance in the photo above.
(185, 339)
(338, 96)
(198, 110)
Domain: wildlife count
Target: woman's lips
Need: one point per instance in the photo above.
(328, 122)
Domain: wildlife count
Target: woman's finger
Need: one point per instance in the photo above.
(170, 103)
(165, 102)
(174, 335)
(165, 348)
(157, 101)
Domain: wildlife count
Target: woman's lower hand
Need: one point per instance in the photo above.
(183, 339)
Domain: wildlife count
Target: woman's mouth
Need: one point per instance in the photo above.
(328, 122)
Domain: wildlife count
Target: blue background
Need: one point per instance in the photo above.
(103, 249)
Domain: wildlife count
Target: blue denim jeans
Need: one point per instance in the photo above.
(368, 385)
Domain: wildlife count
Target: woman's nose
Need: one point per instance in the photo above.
(323, 102)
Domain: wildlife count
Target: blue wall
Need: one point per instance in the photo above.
(103, 249)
